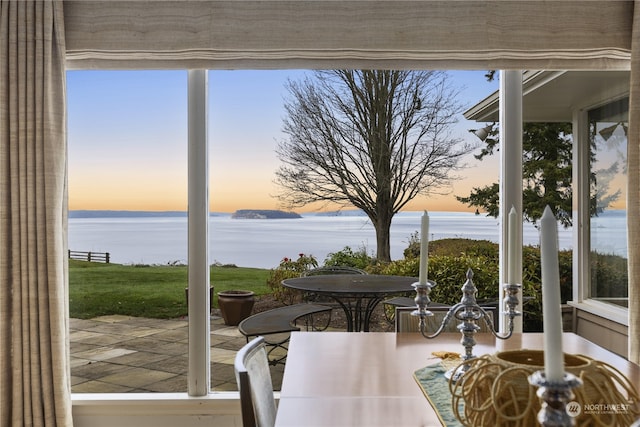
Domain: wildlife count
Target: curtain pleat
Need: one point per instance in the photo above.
(633, 202)
(34, 368)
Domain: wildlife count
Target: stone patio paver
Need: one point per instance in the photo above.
(137, 377)
(178, 382)
(102, 353)
(97, 370)
(81, 336)
(221, 355)
(104, 339)
(100, 387)
(122, 354)
(142, 344)
(140, 358)
(173, 335)
(171, 364)
(228, 331)
(172, 348)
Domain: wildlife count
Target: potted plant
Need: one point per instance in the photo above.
(235, 305)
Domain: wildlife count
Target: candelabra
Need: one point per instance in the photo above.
(469, 312)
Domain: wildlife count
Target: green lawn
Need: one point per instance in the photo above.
(97, 289)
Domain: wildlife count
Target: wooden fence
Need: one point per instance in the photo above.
(89, 256)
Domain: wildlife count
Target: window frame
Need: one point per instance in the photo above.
(160, 408)
(582, 220)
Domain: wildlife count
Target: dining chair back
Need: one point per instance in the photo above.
(405, 322)
(253, 376)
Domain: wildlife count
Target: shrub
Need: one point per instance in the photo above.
(287, 269)
(468, 247)
(609, 275)
(348, 258)
(532, 275)
(450, 273)
(403, 267)
(453, 247)
(449, 260)
(413, 250)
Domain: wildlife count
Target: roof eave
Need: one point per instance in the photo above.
(488, 109)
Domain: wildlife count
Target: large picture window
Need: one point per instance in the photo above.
(608, 213)
(127, 196)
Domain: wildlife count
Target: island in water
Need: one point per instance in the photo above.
(263, 214)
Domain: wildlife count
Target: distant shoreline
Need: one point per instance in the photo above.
(263, 214)
(86, 213)
(124, 214)
(100, 213)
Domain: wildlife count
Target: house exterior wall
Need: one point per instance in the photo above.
(603, 331)
(157, 410)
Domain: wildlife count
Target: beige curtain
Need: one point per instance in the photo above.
(633, 202)
(34, 363)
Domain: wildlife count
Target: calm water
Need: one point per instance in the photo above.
(263, 243)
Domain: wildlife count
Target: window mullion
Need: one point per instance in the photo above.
(198, 236)
(581, 211)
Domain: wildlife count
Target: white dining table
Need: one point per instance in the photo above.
(335, 379)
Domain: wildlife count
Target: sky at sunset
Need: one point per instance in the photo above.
(127, 133)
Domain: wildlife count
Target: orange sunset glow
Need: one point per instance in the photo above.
(128, 190)
(128, 141)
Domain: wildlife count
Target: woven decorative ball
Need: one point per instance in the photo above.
(495, 391)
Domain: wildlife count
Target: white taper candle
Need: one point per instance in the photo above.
(424, 248)
(512, 242)
(551, 310)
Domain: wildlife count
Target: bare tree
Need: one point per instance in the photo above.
(369, 139)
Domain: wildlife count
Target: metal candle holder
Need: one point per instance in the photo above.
(468, 311)
(555, 395)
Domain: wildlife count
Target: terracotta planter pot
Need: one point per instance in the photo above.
(235, 305)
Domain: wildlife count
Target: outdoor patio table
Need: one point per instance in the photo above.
(346, 379)
(357, 294)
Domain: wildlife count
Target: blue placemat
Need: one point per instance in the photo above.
(436, 389)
